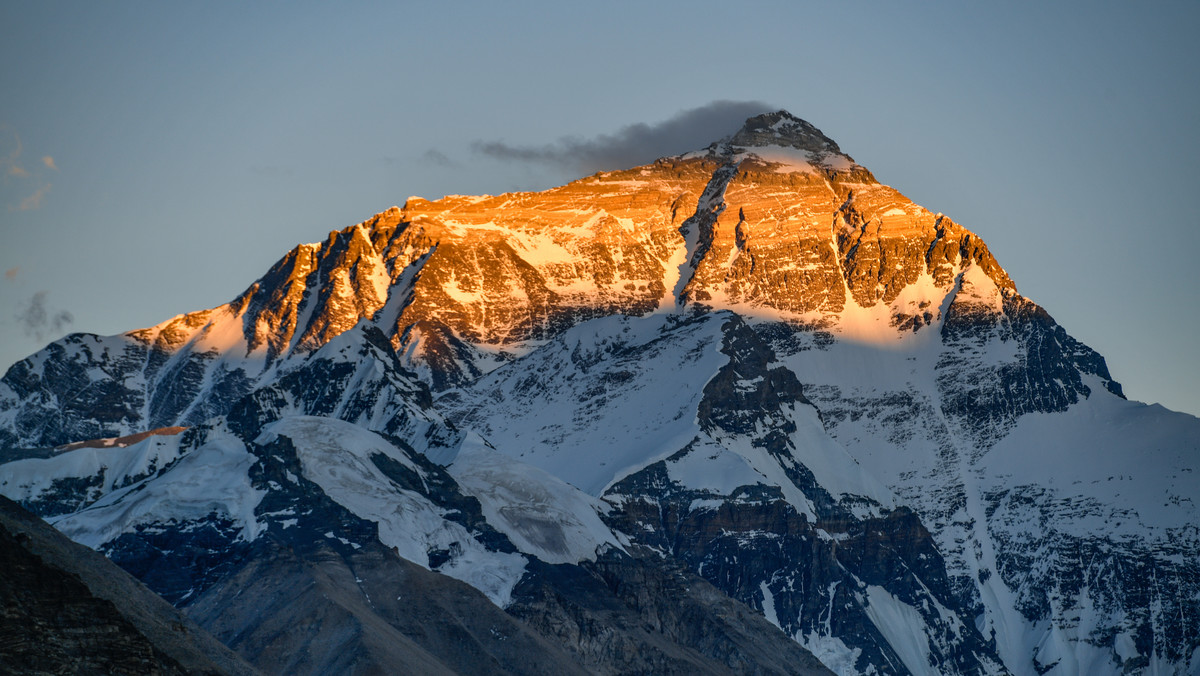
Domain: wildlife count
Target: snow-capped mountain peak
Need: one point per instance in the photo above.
(751, 375)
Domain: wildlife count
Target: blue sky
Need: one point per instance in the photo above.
(156, 158)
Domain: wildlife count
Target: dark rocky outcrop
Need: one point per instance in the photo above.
(643, 615)
(1048, 375)
(65, 609)
(319, 607)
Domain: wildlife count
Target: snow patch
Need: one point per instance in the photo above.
(541, 515)
(768, 604)
(27, 480)
(214, 478)
(336, 456)
(903, 627)
(600, 412)
(710, 467)
(832, 652)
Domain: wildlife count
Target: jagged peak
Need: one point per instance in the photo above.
(783, 129)
(790, 145)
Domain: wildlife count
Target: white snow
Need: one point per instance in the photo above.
(787, 160)
(26, 480)
(903, 627)
(601, 418)
(768, 603)
(590, 434)
(336, 455)
(673, 274)
(542, 515)
(979, 289)
(769, 471)
(832, 652)
(1104, 467)
(1126, 455)
(833, 468)
(790, 160)
(710, 467)
(211, 479)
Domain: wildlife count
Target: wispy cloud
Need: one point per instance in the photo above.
(438, 159)
(10, 152)
(634, 144)
(429, 158)
(11, 167)
(34, 201)
(41, 322)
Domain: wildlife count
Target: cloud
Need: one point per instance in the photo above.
(10, 167)
(12, 273)
(34, 201)
(437, 158)
(10, 152)
(40, 322)
(429, 158)
(634, 144)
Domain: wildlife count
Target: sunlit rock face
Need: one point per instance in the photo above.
(525, 266)
(767, 367)
(774, 221)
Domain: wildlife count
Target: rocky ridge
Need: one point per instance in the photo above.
(467, 282)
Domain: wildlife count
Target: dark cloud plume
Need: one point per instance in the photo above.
(40, 322)
(635, 144)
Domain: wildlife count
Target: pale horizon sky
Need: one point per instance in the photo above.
(157, 158)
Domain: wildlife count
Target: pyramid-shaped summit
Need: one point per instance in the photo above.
(787, 144)
(772, 222)
(781, 128)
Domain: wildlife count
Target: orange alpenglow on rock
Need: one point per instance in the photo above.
(774, 220)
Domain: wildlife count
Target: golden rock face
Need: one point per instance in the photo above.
(796, 244)
(771, 245)
(522, 266)
(774, 221)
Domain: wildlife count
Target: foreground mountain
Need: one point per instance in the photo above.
(68, 610)
(749, 379)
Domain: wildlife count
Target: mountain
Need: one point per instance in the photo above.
(305, 541)
(67, 609)
(718, 413)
